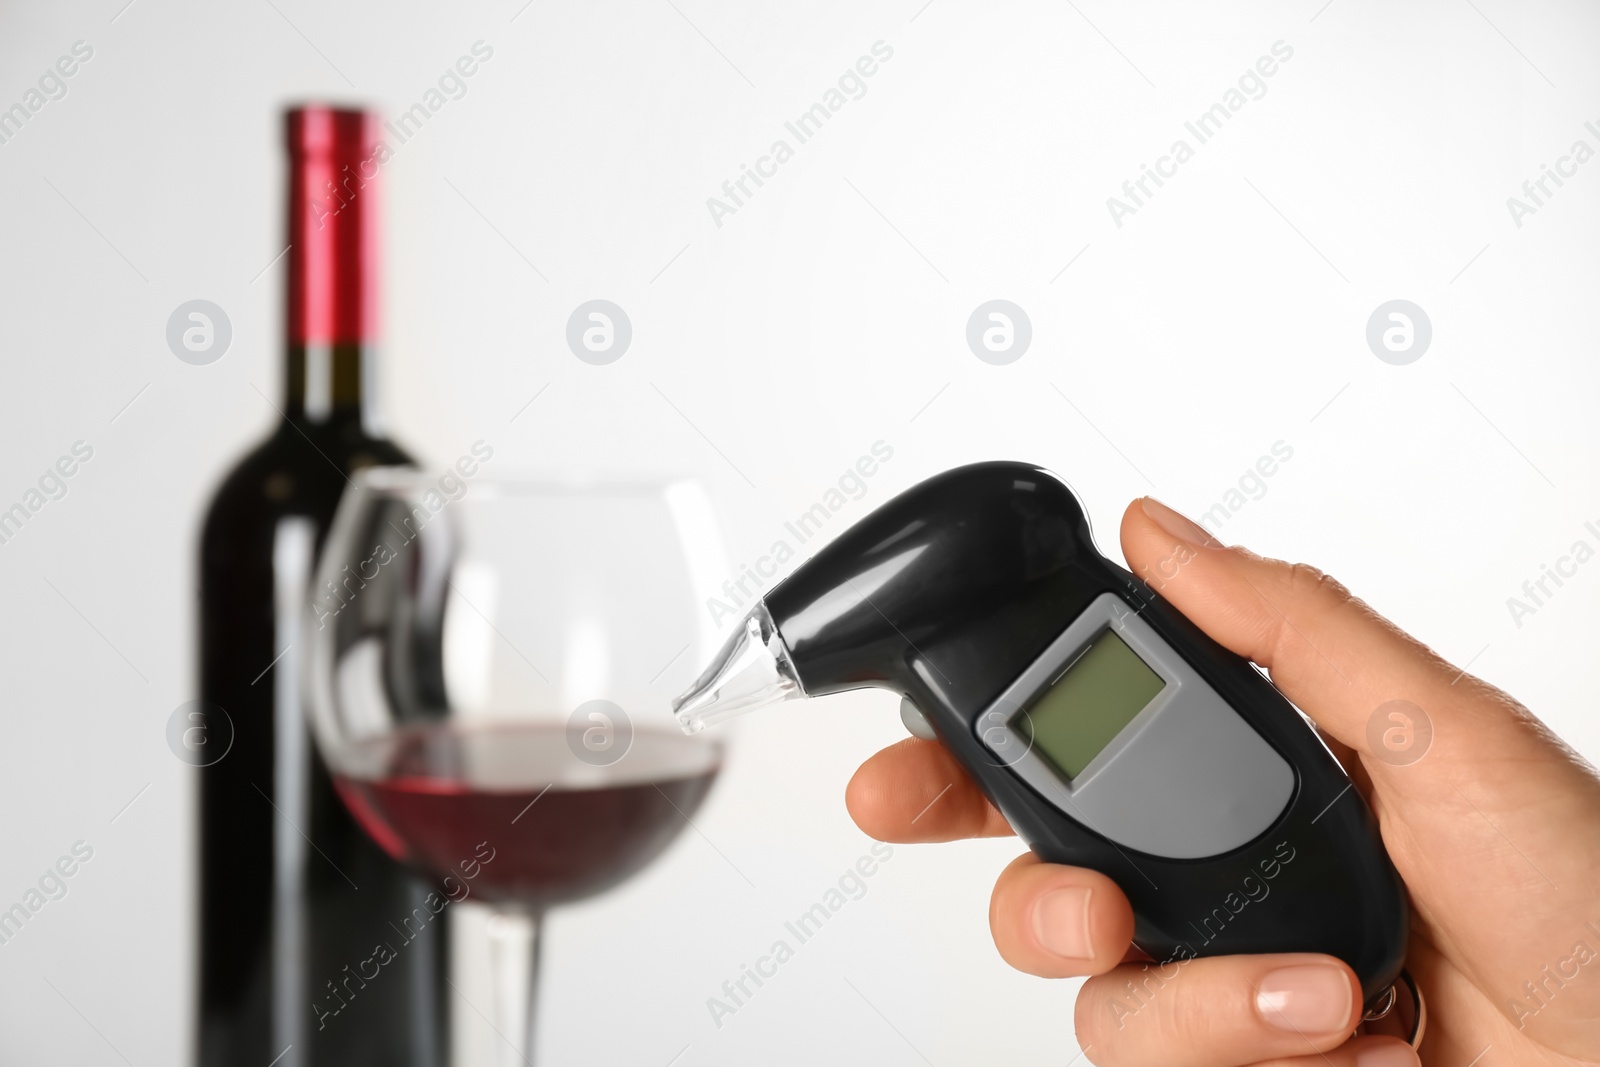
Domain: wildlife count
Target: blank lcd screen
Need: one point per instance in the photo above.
(1075, 719)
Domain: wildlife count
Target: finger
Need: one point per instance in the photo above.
(1331, 654)
(916, 791)
(1218, 1012)
(1059, 922)
(1361, 1052)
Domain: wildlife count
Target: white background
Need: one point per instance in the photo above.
(827, 313)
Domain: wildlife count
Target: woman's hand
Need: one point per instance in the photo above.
(1496, 831)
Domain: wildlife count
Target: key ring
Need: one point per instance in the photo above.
(1391, 1000)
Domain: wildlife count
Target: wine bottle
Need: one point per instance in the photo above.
(295, 900)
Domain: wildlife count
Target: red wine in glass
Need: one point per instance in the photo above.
(558, 828)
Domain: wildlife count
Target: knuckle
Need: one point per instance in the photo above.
(1139, 1010)
(1303, 595)
(1309, 584)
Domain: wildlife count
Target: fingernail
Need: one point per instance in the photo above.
(1061, 923)
(1386, 1054)
(1184, 529)
(1312, 998)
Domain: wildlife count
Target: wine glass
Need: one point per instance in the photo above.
(490, 673)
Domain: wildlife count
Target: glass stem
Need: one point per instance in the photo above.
(514, 936)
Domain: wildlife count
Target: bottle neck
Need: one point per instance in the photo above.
(332, 266)
(327, 384)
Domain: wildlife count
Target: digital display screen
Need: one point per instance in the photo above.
(1075, 719)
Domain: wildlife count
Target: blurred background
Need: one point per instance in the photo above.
(1211, 320)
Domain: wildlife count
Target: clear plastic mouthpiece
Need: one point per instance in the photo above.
(751, 671)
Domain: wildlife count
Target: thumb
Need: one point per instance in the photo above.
(1363, 680)
(1484, 821)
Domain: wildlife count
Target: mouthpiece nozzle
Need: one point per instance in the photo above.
(752, 670)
